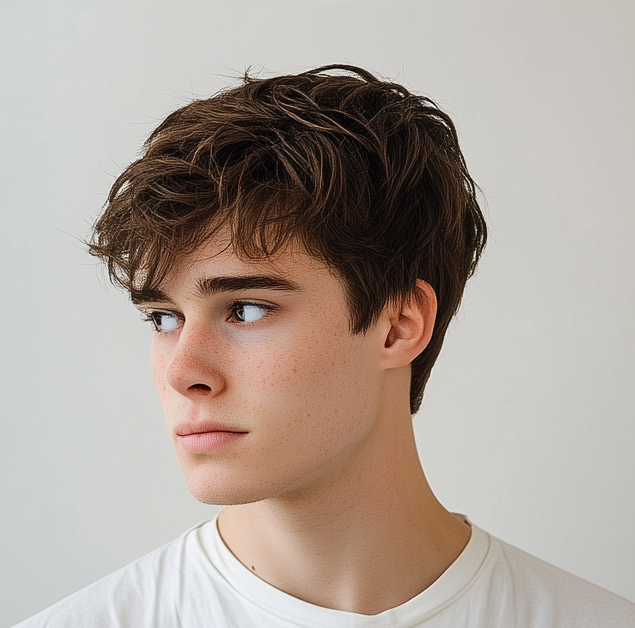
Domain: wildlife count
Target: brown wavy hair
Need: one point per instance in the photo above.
(365, 176)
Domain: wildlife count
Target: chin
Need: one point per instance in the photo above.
(213, 489)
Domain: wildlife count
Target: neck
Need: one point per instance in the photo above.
(368, 536)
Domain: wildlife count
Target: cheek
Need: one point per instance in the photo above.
(321, 379)
(158, 366)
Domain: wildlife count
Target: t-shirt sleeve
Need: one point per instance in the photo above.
(140, 594)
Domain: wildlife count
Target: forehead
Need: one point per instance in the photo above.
(216, 266)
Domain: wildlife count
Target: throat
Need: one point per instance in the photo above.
(363, 557)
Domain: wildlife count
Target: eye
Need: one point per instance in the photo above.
(242, 312)
(162, 321)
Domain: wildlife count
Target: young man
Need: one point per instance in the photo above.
(299, 245)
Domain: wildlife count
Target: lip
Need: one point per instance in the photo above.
(202, 427)
(205, 437)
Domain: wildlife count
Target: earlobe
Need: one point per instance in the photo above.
(411, 326)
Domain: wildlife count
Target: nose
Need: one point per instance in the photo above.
(192, 368)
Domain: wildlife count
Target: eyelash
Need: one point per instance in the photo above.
(236, 305)
(150, 316)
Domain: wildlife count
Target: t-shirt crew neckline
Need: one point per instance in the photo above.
(453, 583)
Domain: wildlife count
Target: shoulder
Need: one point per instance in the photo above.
(541, 594)
(143, 593)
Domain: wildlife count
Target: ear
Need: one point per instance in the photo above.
(411, 326)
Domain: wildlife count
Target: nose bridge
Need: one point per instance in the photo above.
(192, 366)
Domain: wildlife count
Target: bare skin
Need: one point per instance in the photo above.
(366, 543)
(313, 442)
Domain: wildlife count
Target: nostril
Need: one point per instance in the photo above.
(203, 387)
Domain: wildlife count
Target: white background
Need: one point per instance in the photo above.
(528, 425)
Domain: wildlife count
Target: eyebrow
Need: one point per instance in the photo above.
(213, 285)
(152, 295)
(209, 286)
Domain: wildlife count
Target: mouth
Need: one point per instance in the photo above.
(205, 437)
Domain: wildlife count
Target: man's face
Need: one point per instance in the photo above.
(264, 388)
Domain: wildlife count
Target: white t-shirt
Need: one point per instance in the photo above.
(196, 582)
